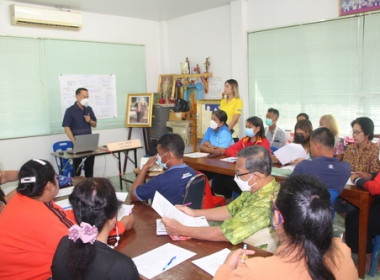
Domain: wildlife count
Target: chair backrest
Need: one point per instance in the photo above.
(194, 191)
(66, 169)
(333, 195)
(62, 146)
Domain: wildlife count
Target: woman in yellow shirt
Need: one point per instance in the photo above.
(232, 105)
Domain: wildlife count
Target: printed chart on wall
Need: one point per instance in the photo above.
(101, 88)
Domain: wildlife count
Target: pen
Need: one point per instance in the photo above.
(187, 204)
(243, 256)
(169, 263)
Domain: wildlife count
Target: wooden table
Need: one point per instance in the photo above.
(360, 198)
(142, 238)
(363, 200)
(215, 165)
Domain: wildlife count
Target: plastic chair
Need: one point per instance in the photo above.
(333, 195)
(210, 200)
(194, 191)
(66, 169)
(375, 256)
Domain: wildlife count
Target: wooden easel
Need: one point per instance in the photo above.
(146, 136)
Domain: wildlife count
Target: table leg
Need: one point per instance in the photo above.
(120, 173)
(363, 230)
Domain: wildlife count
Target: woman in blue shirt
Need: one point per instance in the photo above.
(217, 135)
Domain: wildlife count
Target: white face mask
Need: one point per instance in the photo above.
(84, 102)
(213, 124)
(243, 185)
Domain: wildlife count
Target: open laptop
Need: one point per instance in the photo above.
(85, 143)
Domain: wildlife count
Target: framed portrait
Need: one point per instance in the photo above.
(166, 86)
(205, 107)
(139, 110)
(349, 7)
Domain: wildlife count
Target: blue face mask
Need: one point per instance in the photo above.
(160, 163)
(269, 122)
(249, 132)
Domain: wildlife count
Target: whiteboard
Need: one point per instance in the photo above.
(101, 89)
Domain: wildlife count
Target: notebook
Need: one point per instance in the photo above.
(85, 143)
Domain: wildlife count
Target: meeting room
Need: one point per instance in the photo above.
(219, 139)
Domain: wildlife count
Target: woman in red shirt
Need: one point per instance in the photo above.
(255, 135)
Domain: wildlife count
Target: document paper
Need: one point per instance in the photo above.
(211, 263)
(196, 155)
(165, 209)
(152, 263)
(290, 152)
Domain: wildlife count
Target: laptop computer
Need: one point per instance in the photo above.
(85, 143)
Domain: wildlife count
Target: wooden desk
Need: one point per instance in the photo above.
(363, 200)
(215, 165)
(142, 238)
(99, 152)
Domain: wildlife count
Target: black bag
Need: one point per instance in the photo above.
(181, 105)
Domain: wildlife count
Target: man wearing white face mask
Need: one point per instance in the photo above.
(78, 120)
(171, 184)
(276, 136)
(244, 216)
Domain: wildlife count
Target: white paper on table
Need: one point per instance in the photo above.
(290, 167)
(196, 155)
(64, 203)
(290, 152)
(229, 159)
(65, 191)
(121, 196)
(165, 209)
(125, 210)
(211, 263)
(151, 263)
(8, 189)
(349, 182)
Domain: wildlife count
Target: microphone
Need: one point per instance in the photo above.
(85, 110)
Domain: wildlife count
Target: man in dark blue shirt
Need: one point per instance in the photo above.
(78, 120)
(329, 170)
(171, 184)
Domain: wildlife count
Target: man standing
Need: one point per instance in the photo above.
(327, 169)
(275, 135)
(244, 216)
(78, 120)
(172, 183)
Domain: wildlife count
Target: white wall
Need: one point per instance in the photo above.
(220, 33)
(96, 27)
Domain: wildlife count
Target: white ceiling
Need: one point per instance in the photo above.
(156, 10)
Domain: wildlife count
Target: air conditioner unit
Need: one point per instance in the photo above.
(45, 17)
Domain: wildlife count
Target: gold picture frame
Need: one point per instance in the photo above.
(166, 86)
(204, 109)
(139, 110)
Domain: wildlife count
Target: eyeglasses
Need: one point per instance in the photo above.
(242, 174)
(356, 132)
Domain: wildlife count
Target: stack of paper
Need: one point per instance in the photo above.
(196, 155)
(290, 152)
(165, 209)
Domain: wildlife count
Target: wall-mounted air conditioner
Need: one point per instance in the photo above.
(45, 17)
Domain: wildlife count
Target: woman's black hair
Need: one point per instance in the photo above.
(33, 177)
(94, 202)
(304, 203)
(256, 121)
(221, 115)
(366, 125)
